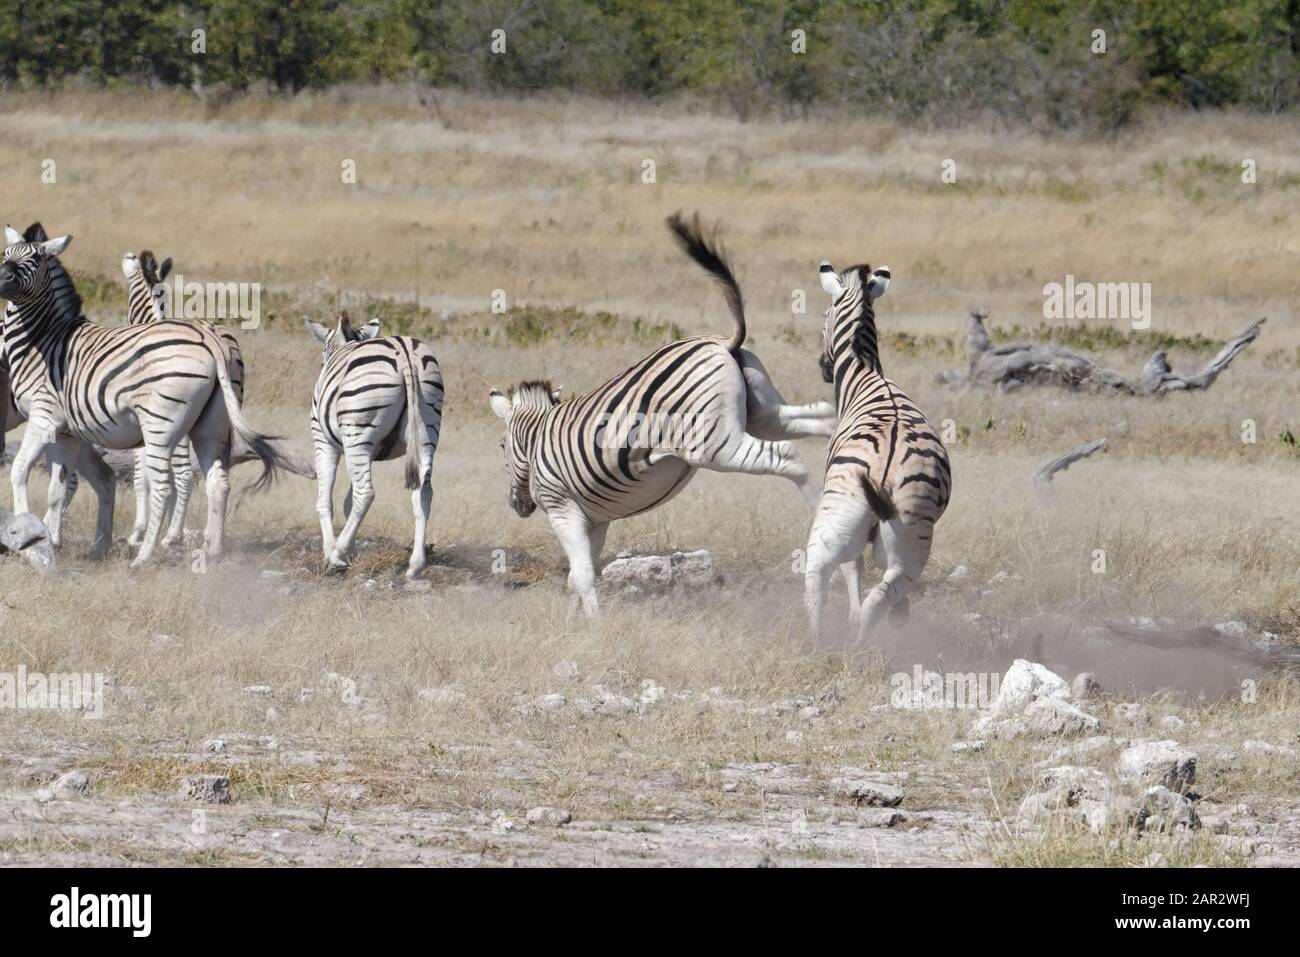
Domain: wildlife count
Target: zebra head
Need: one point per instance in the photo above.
(523, 412)
(850, 318)
(151, 275)
(24, 274)
(341, 335)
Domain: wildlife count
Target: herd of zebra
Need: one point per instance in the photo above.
(173, 391)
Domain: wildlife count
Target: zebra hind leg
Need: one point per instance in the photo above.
(101, 478)
(906, 553)
(742, 452)
(327, 467)
(363, 494)
(141, 482)
(183, 475)
(838, 538)
(573, 530)
(162, 496)
(421, 500)
(213, 456)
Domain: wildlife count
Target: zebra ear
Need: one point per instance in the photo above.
(879, 283)
(165, 268)
(12, 235)
(500, 404)
(831, 281)
(55, 247)
(369, 330)
(316, 329)
(555, 394)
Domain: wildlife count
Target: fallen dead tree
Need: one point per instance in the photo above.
(1013, 365)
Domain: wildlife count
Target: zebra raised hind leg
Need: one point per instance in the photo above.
(634, 442)
(376, 398)
(888, 480)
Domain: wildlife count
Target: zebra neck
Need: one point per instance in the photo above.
(38, 331)
(852, 372)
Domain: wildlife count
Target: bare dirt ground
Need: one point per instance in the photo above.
(362, 720)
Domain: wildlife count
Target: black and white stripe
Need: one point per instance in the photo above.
(17, 404)
(377, 398)
(121, 387)
(634, 442)
(887, 474)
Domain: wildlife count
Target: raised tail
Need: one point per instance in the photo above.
(705, 251)
(414, 420)
(260, 445)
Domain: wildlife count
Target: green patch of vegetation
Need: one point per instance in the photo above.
(1093, 338)
(532, 325)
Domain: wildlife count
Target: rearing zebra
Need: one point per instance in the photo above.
(63, 479)
(887, 474)
(121, 387)
(634, 442)
(377, 397)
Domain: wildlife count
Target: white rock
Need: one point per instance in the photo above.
(259, 690)
(1171, 722)
(688, 569)
(441, 697)
(609, 702)
(1159, 762)
(794, 737)
(958, 573)
(548, 817)
(73, 782)
(1026, 681)
(867, 791)
(215, 745)
(977, 745)
(650, 692)
(206, 788)
(1232, 629)
(1264, 747)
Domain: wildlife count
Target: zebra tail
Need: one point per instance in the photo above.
(414, 420)
(260, 445)
(708, 254)
(882, 506)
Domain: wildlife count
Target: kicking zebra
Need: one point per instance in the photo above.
(634, 442)
(120, 387)
(16, 411)
(376, 398)
(887, 474)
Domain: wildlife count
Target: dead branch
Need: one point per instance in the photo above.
(1044, 475)
(1013, 365)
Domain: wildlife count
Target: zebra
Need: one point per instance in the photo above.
(376, 398)
(63, 480)
(120, 387)
(146, 302)
(887, 479)
(709, 403)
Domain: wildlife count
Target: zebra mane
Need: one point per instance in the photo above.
(62, 290)
(864, 344)
(538, 392)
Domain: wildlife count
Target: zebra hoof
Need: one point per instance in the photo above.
(135, 539)
(336, 565)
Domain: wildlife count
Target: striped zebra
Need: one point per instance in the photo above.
(145, 303)
(634, 442)
(88, 461)
(887, 474)
(376, 398)
(120, 387)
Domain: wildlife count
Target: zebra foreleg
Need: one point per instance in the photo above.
(35, 441)
(92, 465)
(60, 457)
(574, 532)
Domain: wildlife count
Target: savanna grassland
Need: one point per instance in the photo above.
(702, 726)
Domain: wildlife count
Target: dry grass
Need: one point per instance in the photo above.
(543, 199)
